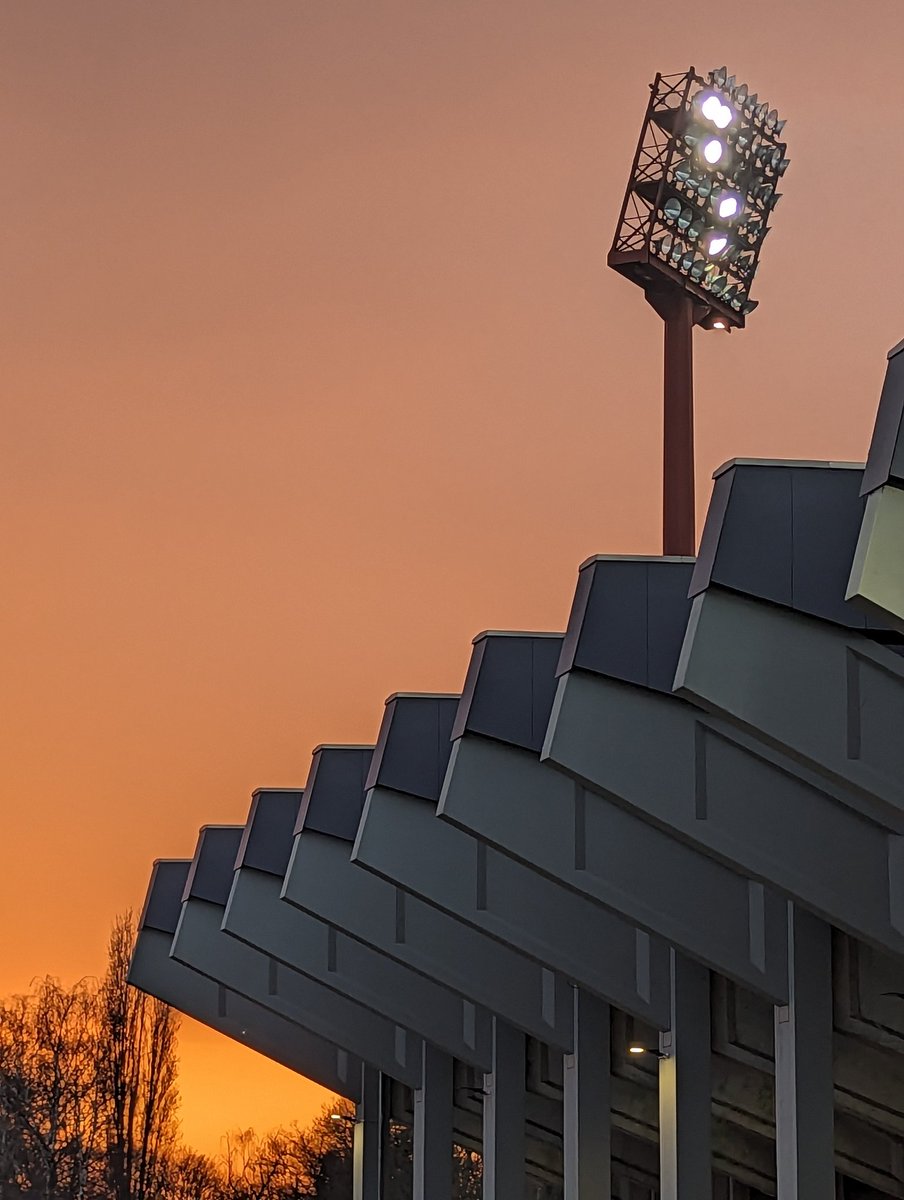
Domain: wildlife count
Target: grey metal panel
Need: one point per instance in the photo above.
(517, 905)
(253, 910)
(713, 786)
(335, 781)
(877, 572)
(833, 702)
(787, 534)
(163, 900)
(322, 880)
(885, 462)
(283, 1041)
(152, 970)
(505, 692)
(267, 842)
(256, 915)
(210, 873)
(414, 759)
(627, 620)
(592, 845)
(400, 839)
(199, 943)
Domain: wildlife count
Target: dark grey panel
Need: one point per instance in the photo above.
(163, 902)
(613, 856)
(785, 533)
(400, 839)
(200, 943)
(885, 462)
(210, 875)
(413, 760)
(509, 688)
(628, 619)
(334, 792)
(828, 698)
(153, 971)
(267, 839)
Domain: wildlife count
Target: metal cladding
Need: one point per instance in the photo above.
(630, 906)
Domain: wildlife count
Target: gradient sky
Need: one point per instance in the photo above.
(313, 368)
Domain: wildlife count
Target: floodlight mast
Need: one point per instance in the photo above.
(702, 186)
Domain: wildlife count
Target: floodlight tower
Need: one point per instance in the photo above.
(694, 218)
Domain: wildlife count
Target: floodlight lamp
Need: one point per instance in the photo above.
(714, 110)
(672, 208)
(719, 76)
(728, 205)
(713, 150)
(716, 244)
(740, 94)
(683, 171)
(780, 125)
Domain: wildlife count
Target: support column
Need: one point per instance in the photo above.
(679, 535)
(587, 1108)
(369, 1138)
(685, 1088)
(804, 1087)
(433, 1128)
(504, 1117)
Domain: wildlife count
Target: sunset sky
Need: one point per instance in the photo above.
(313, 369)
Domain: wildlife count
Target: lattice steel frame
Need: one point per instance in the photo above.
(660, 146)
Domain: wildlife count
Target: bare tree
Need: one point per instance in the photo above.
(139, 1069)
(49, 1119)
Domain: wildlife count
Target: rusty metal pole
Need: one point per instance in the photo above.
(679, 535)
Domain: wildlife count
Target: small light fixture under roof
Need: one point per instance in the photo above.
(719, 324)
(638, 1048)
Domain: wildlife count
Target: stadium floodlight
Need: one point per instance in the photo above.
(703, 185)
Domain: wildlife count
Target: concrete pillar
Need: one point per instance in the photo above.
(587, 1107)
(369, 1138)
(685, 1087)
(433, 1128)
(504, 1117)
(804, 1090)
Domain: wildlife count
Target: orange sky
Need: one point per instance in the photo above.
(312, 369)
